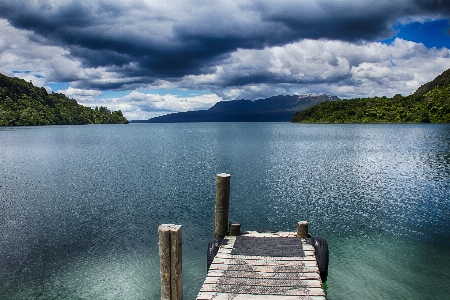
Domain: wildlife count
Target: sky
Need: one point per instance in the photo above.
(149, 58)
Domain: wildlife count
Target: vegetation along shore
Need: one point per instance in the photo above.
(23, 104)
(429, 104)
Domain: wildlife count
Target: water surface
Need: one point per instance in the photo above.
(80, 205)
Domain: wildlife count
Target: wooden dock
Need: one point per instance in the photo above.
(247, 265)
(263, 266)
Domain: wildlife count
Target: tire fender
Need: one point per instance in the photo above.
(213, 247)
(322, 255)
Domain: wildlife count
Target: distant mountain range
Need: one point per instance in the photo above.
(273, 109)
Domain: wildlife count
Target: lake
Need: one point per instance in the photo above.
(81, 205)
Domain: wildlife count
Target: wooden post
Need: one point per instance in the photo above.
(222, 205)
(176, 261)
(170, 256)
(235, 229)
(302, 229)
(164, 260)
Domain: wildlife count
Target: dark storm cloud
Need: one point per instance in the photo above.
(148, 40)
(327, 20)
(440, 7)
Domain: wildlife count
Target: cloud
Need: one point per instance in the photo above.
(231, 49)
(323, 66)
(21, 51)
(148, 40)
(80, 94)
(140, 106)
(333, 67)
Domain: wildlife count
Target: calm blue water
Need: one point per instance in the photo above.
(80, 205)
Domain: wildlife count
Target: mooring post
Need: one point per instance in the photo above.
(235, 229)
(302, 229)
(170, 256)
(222, 205)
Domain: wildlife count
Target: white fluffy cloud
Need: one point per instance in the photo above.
(80, 94)
(334, 67)
(140, 106)
(227, 50)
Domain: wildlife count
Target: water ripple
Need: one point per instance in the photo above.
(81, 205)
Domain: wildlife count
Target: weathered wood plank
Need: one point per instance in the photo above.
(310, 256)
(270, 234)
(268, 281)
(265, 262)
(268, 269)
(227, 296)
(289, 291)
(235, 296)
(302, 276)
(230, 245)
(224, 250)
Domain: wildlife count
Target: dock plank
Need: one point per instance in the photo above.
(228, 250)
(272, 290)
(265, 261)
(208, 287)
(268, 269)
(309, 255)
(226, 296)
(268, 282)
(302, 276)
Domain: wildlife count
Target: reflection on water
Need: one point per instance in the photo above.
(81, 204)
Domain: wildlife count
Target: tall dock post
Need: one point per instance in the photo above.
(170, 256)
(222, 205)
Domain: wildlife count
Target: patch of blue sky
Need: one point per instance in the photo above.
(21, 72)
(430, 33)
(56, 86)
(27, 72)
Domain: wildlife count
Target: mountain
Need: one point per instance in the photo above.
(23, 104)
(429, 104)
(273, 109)
(441, 81)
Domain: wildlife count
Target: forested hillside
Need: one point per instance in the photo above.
(23, 104)
(429, 104)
